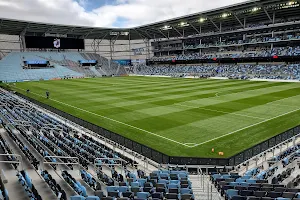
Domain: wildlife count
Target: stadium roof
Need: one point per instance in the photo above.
(216, 19)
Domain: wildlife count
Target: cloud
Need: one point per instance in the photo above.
(104, 13)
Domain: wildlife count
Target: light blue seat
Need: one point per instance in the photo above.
(78, 197)
(143, 195)
(185, 191)
(163, 181)
(173, 186)
(112, 188)
(234, 184)
(135, 184)
(244, 184)
(164, 176)
(92, 198)
(83, 190)
(177, 182)
(142, 181)
(251, 181)
(231, 192)
(246, 177)
(123, 189)
(215, 176)
(239, 180)
(183, 175)
(226, 176)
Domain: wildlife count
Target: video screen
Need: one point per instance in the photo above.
(53, 43)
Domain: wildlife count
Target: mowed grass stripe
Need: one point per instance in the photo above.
(120, 110)
(90, 97)
(133, 97)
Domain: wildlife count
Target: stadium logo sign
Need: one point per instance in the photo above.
(56, 43)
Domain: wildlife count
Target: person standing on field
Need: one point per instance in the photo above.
(47, 94)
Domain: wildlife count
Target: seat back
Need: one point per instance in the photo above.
(171, 196)
(186, 196)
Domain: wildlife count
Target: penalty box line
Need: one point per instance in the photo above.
(128, 125)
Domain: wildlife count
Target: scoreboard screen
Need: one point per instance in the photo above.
(53, 43)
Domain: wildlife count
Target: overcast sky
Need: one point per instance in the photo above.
(105, 13)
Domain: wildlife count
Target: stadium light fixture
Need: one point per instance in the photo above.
(255, 9)
(291, 3)
(225, 15)
(182, 24)
(201, 20)
(166, 27)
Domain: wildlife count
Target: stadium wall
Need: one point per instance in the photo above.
(122, 49)
(9, 43)
(165, 159)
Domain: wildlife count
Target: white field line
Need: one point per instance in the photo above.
(276, 104)
(220, 111)
(246, 127)
(119, 122)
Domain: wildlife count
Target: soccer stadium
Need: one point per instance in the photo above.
(204, 106)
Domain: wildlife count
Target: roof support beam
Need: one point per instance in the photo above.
(163, 34)
(155, 32)
(214, 23)
(102, 38)
(70, 31)
(140, 34)
(236, 17)
(49, 29)
(268, 14)
(177, 31)
(144, 33)
(114, 40)
(25, 29)
(91, 31)
(195, 28)
(96, 42)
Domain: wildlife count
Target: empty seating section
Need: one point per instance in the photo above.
(158, 185)
(34, 161)
(261, 184)
(56, 188)
(29, 188)
(4, 149)
(65, 65)
(11, 67)
(107, 66)
(50, 137)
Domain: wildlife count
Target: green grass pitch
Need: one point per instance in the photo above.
(179, 117)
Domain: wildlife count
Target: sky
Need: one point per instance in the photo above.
(105, 13)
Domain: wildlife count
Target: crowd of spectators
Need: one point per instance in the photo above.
(277, 51)
(240, 71)
(249, 40)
